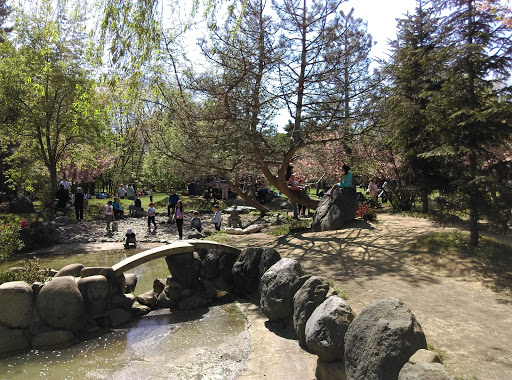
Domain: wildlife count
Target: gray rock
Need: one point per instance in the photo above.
(185, 268)
(333, 213)
(192, 302)
(423, 355)
(148, 298)
(16, 301)
(381, 339)
(94, 291)
(130, 282)
(12, 340)
(60, 304)
(218, 263)
(70, 270)
(119, 317)
(330, 370)
(21, 205)
(36, 325)
(305, 301)
(268, 258)
(90, 271)
(158, 285)
(139, 310)
(163, 301)
(424, 371)
(208, 290)
(278, 286)
(326, 328)
(246, 270)
(53, 339)
(63, 219)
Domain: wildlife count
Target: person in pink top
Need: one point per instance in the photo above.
(373, 189)
(178, 217)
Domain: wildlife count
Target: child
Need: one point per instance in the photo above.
(151, 215)
(217, 217)
(178, 217)
(109, 214)
(130, 238)
(195, 222)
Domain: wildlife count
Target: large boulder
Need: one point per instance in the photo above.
(53, 339)
(326, 328)
(61, 305)
(333, 212)
(16, 301)
(424, 371)
(217, 263)
(185, 268)
(305, 301)
(381, 339)
(130, 282)
(40, 235)
(246, 270)
(12, 340)
(21, 205)
(269, 257)
(70, 270)
(94, 290)
(278, 286)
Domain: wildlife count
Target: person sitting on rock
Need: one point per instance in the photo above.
(195, 222)
(346, 179)
(118, 209)
(130, 239)
(136, 206)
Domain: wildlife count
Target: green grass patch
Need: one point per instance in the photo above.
(491, 258)
(287, 225)
(341, 292)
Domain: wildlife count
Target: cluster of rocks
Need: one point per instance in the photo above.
(383, 342)
(79, 302)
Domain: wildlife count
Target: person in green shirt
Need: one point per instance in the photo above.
(346, 179)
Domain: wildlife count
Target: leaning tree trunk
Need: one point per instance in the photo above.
(248, 199)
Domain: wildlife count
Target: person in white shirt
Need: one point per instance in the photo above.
(109, 214)
(217, 217)
(65, 183)
(151, 215)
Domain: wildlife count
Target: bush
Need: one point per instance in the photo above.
(10, 241)
(366, 212)
(30, 272)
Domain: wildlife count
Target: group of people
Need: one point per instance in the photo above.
(127, 191)
(175, 214)
(65, 199)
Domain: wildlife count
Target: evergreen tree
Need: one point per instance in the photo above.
(415, 73)
(473, 107)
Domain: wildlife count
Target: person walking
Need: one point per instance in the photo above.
(178, 217)
(151, 215)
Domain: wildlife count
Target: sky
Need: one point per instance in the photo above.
(381, 17)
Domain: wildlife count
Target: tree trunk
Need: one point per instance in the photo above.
(424, 193)
(249, 200)
(473, 203)
(52, 168)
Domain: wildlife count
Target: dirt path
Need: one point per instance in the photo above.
(468, 322)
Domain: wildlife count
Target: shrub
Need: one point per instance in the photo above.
(10, 241)
(366, 212)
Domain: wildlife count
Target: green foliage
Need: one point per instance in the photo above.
(31, 271)
(9, 238)
(341, 292)
(289, 225)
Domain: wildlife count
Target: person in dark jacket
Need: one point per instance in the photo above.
(171, 203)
(79, 204)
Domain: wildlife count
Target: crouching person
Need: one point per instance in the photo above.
(130, 239)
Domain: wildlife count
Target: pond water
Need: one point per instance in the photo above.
(207, 344)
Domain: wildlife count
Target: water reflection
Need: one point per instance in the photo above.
(211, 344)
(208, 344)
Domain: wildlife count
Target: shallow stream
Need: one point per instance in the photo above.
(212, 344)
